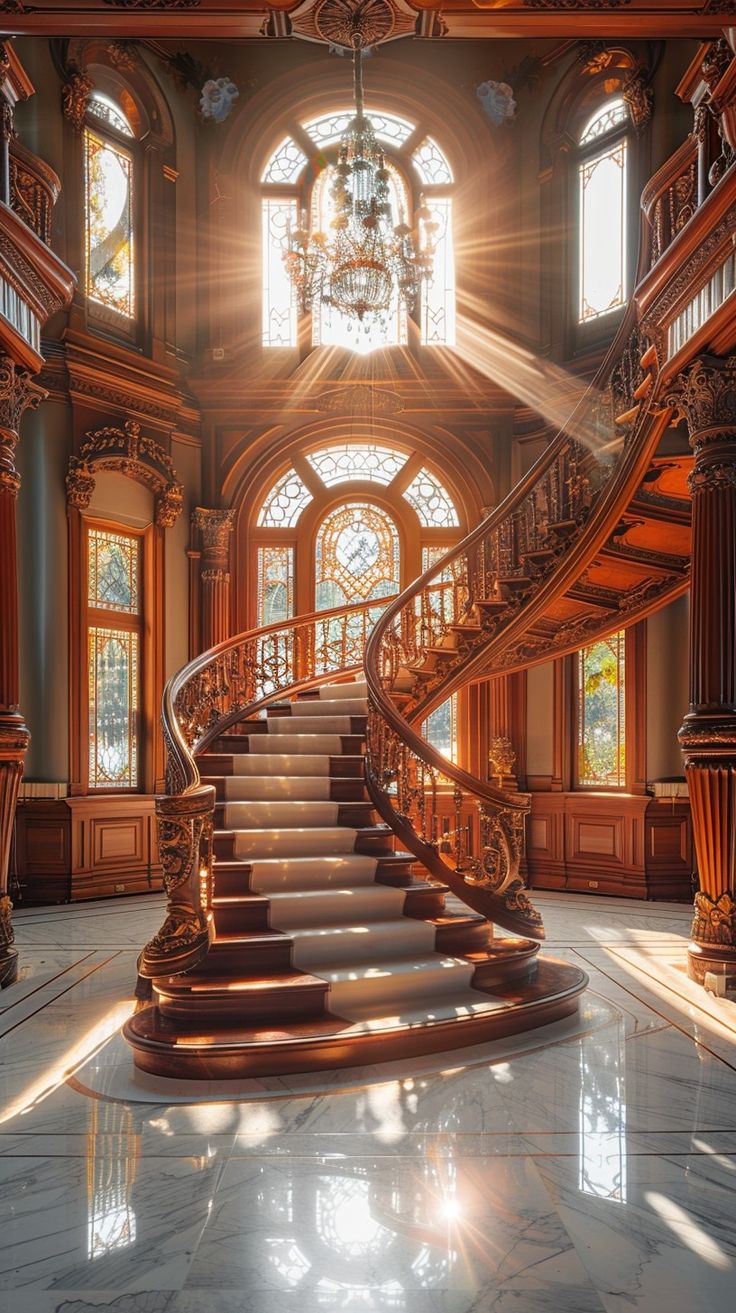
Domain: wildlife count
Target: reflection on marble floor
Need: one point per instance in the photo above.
(584, 1169)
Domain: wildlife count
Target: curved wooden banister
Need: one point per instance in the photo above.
(214, 691)
(538, 535)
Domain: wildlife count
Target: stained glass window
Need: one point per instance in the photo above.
(286, 163)
(101, 107)
(285, 502)
(275, 584)
(601, 714)
(431, 501)
(109, 246)
(357, 461)
(114, 636)
(431, 164)
(357, 556)
(113, 706)
(328, 128)
(279, 299)
(113, 571)
(607, 117)
(438, 294)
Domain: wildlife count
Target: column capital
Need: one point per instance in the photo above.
(215, 527)
(18, 393)
(704, 394)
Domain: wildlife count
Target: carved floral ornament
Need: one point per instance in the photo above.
(125, 451)
(75, 94)
(705, 396)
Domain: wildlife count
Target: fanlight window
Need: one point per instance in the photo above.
(285, 170)
(285, 502)
(431, 501)
(431, 164)
(602, 236)
(601, 714)
(352, 461)
(356, 556)
(104, 109)
(327, 130)
(606, 118)
(286, 163)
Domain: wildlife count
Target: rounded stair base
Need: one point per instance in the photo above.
(328, 1041)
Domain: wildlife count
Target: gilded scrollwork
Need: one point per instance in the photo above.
(185, 834)
(714, 922)
(75, 94)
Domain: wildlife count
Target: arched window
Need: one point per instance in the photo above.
(350, 550)
(110, 202)
(298, 176)
(602, 182)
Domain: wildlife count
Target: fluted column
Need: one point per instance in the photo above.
(501, 752)
(706, 395)
(215, 527)
(17, 392)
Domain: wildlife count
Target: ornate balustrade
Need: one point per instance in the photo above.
(223, 686)
(34, 189)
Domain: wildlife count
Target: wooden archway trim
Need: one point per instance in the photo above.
(139, 458)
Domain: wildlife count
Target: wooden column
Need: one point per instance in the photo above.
(215, 527)
(507, 729)
(706, 396)
(17, 393)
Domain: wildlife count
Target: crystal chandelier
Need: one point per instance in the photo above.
(366, 266)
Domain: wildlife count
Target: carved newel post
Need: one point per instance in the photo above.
(215, 527)
(17, 393)
(706, 395)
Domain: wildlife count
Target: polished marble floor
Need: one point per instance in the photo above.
(586, 1168)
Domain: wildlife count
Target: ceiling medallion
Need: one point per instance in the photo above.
(340, 24)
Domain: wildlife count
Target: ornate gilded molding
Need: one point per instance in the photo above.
(75, 94)
(640, 99)
(185, 833)
(501, 757)
(215, 527)
(125, 451)
(359, 399)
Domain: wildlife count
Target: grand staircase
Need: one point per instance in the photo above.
(334, 883)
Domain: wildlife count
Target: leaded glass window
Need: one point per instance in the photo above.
(286, 163)
(285, 502)
(113, 571)
(438, 294)
(602, 236)
(601, 728)
(109, 238)
(431, 501)
(356, 556)
(275, 584)
(328, 128)
(331, 327)
(113, 708)
(357, 461)
(431, 164)
(440, 728)
(114, 637)
(103, 108)
(279, 216)
(605, 119)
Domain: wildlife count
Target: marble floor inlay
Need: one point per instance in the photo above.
(588, 1167)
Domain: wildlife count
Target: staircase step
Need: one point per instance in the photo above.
(277, 874)
(284, 996)
(503, 962)
(240, 913)
(256, 814)
(248, 953)
(290, 725)
(280, 788)
(393, 985)
(332, 745)
(461, 934)
(316, 908)
(362, 945)
(356, 706)
(316, 841)
(462, 1016)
